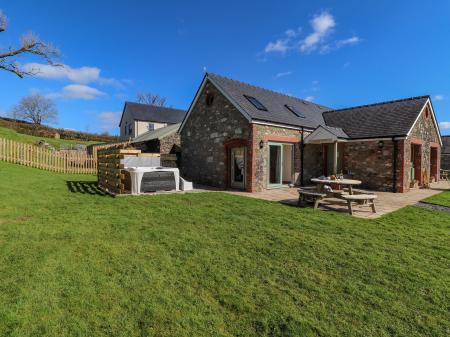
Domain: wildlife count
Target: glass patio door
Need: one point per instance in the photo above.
(237, 167)
(275, 164)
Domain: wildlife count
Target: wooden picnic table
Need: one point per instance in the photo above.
(342, 182)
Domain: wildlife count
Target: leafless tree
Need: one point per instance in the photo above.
(29, 44)
(36, 108)
(150, 98)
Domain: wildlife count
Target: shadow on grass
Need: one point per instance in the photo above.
(84, 187)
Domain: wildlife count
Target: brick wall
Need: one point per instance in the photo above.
(203, 138)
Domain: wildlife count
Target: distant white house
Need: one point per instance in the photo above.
(139, 118)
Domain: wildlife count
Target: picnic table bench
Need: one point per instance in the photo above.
(310, 195)
(362, 199)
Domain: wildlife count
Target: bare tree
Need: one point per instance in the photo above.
(36, 108)
(29, 44)
(149, 98)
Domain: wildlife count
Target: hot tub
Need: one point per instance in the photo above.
(154, 179)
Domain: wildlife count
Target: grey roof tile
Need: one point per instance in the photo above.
(153, 113)
(274, 102)
(386, 119)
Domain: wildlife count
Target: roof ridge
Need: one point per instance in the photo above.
(270, 90)
(156, 106)
(378, 103)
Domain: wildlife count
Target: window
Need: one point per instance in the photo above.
(209, 99)
(151, 126)
(294, 111)
(130, 129)
(257, 104)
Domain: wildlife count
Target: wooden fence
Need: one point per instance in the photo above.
(45, 159)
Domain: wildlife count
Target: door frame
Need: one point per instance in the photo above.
(280, 144)
(231, 168)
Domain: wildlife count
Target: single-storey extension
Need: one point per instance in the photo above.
(236, 135)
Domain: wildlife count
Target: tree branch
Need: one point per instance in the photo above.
(30, 44)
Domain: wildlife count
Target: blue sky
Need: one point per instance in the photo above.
(335, 53)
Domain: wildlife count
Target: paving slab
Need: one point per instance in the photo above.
(387, 202)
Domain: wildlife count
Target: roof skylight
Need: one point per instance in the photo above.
(294, 111)
(257, 104)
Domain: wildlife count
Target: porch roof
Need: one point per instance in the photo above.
(326, 134)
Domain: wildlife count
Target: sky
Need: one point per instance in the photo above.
(335, 53)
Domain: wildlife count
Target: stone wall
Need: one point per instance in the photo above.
(203, 138)
(372, 164)
(445, 153)
(313, 162)
(268, 134)
(445, 161)
(170, 144)
(425, 134)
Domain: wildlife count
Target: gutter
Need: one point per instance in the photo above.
(394, 166)
(302, 157)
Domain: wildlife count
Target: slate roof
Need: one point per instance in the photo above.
(157, 134)
(338, 132)
(152, 113)
(274, 102)
(386, 119)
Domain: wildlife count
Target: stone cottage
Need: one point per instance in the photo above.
(236, 135)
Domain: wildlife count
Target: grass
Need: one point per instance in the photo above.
(24, 138)
(74, 262)
(442, 199)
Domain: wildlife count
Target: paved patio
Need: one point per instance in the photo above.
(387, 202)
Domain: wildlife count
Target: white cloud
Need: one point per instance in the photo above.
(444, 125)
(82, 75)
(284, 44)
(348, 41)
(78, 75)
(322, 25)
(282, 74)
(309, 98)
(339, 44)
(279, 46)
(109, 120)
(291, 33)
(439, 97)
(77, 91)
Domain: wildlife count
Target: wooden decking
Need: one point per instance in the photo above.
(387, 202)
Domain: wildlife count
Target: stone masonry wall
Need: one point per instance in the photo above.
(276, 134)
(313, 162)
(203, 138)
(170, 144)
(373, 165)
(425, 134)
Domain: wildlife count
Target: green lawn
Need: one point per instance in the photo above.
(442, 199)
(24, 138)
(76, 263)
